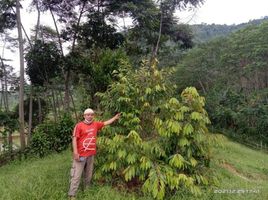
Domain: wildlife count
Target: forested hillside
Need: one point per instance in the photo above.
(232, 73)
(205, 32)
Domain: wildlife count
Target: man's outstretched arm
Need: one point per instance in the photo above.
(110, 121)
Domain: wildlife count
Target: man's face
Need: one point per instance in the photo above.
(89, 116)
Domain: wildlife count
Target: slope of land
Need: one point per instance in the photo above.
(242, 175)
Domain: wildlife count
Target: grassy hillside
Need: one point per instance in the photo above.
(242, 174)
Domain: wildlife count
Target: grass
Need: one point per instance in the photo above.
(236, 166)
(242, 173)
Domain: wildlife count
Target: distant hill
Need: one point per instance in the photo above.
(205, 32)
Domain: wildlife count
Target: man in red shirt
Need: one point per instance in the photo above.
(84, 149)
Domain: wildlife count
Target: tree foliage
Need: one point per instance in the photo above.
(7, 16)
(43, 63)
(160, 141)
(97, 33)
(9, 124)
(232, 73)
(51, 137)
(205, 32)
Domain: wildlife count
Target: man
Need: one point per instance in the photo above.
(84, 149)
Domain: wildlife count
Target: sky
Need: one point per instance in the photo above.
(212, 11)
(227, 12)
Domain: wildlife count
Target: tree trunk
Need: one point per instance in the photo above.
(57, 31)
(21, 91)
(202, 86)
(4, 86)
(76, 116)
(61, 98)
(66, 90)
(1, 100)
(10, 142)
(65, 74)
(39, 110)
(31, 87)
(155, 51)
(38, 21)
(77, 24)
(30, 115)
(57, 101)
(54, 104)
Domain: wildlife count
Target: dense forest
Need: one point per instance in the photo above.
(206, 32)
(175, 85)
(232, 74)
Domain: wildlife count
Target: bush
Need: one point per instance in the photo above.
(50, 136)
(244, 115)
(63, 134)
(43, 138)
(8, 124)
(160, 142)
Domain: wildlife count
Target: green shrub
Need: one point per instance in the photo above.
(50, 136)
(43, 139)
(8, 124)
(160, 142)
(63, 133)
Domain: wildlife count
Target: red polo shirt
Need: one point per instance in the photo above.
(86, 137)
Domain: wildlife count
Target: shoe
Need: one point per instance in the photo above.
(71, 198)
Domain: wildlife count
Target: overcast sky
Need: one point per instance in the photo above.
(212, 11)
(227, 12)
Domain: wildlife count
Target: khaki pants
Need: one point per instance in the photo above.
(78, 167)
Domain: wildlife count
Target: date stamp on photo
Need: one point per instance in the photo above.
(237, 191)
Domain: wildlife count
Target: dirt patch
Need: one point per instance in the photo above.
(258, 176)
(234, 171)
(248, 176)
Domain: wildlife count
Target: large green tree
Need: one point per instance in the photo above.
(43, 62)
(7, 16)
(161, 141)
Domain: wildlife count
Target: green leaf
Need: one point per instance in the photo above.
(179, 116)
(135, 137)
(145, 163)
(176, 127)
(158, 122)
(174, 101)
(148, 91)
(131, 158)
(187, 129)
(193, 162)
(157, 88)
(184, 109)
(177, 161)
(196, 116)
(129, 173)
(113, 165)
(121, 153)
(183, 142)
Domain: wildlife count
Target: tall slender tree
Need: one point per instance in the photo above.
(21, 92)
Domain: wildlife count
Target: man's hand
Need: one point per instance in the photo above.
(110, 121)
(117, 116)
(76, 156)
